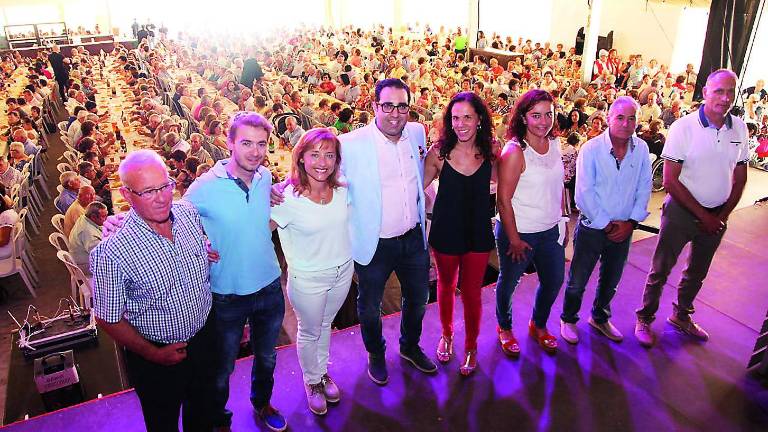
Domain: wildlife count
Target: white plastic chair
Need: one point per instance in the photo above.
(57, 221)
(80, 284)
(23, 213)
(59, 241)
(71, 158)
(64, 167)
(41, 177)
(14, 264)
(63, 126)
(24, 252)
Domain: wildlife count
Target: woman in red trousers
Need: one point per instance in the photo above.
(461, 235)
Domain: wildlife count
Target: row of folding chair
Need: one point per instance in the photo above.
(80, 284)
(19, 261)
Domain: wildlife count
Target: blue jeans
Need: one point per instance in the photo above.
(549, 258)
(264, 312)
(408, 258)
(589, 245)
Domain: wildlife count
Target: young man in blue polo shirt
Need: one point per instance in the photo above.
(233, 201)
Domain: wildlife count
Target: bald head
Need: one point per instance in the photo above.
(621, 102)
(136, 163)
(721, 73)
(86, 195)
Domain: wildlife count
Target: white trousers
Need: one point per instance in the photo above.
(316, 297)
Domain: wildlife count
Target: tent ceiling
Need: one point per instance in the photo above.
(694, 3)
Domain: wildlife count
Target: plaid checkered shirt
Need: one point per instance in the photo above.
(160, 287)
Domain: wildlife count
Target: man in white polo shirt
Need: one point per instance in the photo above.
(705, 170)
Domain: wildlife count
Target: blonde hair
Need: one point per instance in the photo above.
(20, 147)
(318, 137)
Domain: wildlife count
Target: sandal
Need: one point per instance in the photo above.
(546, 341)
(470, 363)
(508, 342)
(445, 349)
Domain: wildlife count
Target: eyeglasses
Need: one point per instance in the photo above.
(388, 107)
(154, 192)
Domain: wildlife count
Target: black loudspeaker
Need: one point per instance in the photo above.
(603, 42)
(759, 359)
(58, 381)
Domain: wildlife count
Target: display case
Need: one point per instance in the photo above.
(36, 35)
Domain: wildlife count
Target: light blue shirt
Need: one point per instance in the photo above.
(605, 193)
(237, 224)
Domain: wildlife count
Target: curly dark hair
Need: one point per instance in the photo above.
(484, 137)
(517, 127)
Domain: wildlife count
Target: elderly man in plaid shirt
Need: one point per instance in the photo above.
(152, 295)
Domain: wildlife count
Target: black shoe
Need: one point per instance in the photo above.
(377, 369)
(419, 360)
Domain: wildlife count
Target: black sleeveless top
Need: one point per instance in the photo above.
(461, 217)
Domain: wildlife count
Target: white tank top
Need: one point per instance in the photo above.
(537, 201)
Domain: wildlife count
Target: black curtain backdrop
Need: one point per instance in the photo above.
(728, 33)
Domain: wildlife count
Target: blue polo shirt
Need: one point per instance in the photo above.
(236, 220)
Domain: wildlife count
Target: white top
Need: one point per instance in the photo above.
(399, 184)
(537, 201)
(314, 236)
(708, 155)
(8, 217)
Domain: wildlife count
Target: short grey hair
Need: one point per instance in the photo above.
(94, 208)
(66, 177)
(623, 100)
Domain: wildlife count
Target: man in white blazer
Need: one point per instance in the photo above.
(383, 166)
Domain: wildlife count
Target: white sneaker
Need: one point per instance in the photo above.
(569, 332)
(608, 330)
(644, 334)
(316, 398)
(330, 389)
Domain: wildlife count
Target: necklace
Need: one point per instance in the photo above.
(324, 198)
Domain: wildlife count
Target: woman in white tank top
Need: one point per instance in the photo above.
(529, 198)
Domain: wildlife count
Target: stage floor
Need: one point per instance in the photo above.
(597, 385)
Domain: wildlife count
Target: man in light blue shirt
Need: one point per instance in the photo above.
(613, 186)
(233, 201)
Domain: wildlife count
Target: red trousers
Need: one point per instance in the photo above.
(470, 267)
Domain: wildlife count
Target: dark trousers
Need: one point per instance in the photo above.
(163, 390)
(589, 246)
(62, 89)
(407, 256)
(263, 310)
(678, 228)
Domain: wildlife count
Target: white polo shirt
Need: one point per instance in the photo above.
(708, 155)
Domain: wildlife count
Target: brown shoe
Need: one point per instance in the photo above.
(644, 334)
(689, 327)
